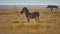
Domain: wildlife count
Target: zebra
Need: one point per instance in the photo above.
(30, 15)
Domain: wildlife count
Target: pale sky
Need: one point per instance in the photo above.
(29, 2)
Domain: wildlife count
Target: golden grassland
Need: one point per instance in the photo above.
(13, 22)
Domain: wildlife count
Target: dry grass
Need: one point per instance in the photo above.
(12, 22)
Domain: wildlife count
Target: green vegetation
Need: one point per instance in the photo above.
(47, 27)
(47, 12)
(23, 26)
(16, 22)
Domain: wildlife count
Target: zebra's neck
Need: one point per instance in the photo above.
(27, 13)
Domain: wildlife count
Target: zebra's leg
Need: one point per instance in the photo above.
(28, 19)
(37, 19)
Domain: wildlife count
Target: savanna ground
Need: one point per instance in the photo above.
(13, 22)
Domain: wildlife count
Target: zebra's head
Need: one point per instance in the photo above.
(24, 10)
